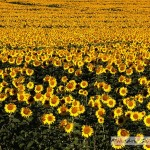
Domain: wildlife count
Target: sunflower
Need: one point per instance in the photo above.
(21, 88)
(129, 71)
(63, 123)
(13, 74)
(52, 82)
(131, 104)
(54, 101)
(69, 127)
(62, 110)
(97, 104)
(64, 79)
(50, 90)
(50, 118)
(30, 85)
(146, 144)
(120, 121)
(118, 112)
(91, 103)
(36, 63)
(106, 88)
(75, 103)
(78, 72)
(29, 72)
(105, 98)
(128, 81)
(10, 108)
(87, 131)
(81, 109)
(118, 143)
(83, 84)
(101, 120)
(3, 97)
(111, 103)
(71, 70)
(123, 91)
(38, 97)
(71, 85)
(100, 112)
(139, 138)
(80, 64)
(143, 80)
(123, 133)
(147, 120)
(46, 78)
(30, 100)
(43, 119)
(74, 111)
(122, 67)
(148, 105)
(139, 68)
(21, 96)
(26, 112)
(135, 116)
(68, 99)
(38, 88)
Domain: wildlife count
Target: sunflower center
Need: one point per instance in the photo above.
(148, 120)
(86, 130)
(10, 107)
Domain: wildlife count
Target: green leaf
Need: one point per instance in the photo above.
(16, 120)
(30, 144)
(21, 145)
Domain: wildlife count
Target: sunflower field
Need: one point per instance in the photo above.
(74, 73)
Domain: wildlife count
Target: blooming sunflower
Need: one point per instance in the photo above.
(84, 84)
(30, 85)
(118, 112)
(50, 118)
(74, 111)
(64, 79)
(52, 82)
(146, 144)
(131, 104)
(147, 120)
(135, 116)
(54, 101)
(69, 127)
(100, 112)
(10, 108)
(118, 143)
(87, 131)
(123, 91)
(29, 72)
(71, 85)
(62, 110)
(38, 88)
(111, 103)
(106, 88)
(139, 138)
(123, 133)
(71, 70)
(101, 120)
(26, 112)
(81, 109)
